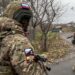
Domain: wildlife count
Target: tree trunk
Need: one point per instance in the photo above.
(32, 34)
(44, 43)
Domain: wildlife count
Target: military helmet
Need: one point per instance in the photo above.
(18, 11)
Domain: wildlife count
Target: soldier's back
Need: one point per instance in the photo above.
(13, 42)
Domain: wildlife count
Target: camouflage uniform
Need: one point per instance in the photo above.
(12, 44)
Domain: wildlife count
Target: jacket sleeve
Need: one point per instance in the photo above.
(16, 46)
(17, 53)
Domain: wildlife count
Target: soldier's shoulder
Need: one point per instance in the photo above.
(19, 38)
(16, 39)
(9, 23)
(6, 20)
(3, 19)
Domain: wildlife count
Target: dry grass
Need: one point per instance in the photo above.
(57, 47)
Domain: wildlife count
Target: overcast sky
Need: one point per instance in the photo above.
(69, 15)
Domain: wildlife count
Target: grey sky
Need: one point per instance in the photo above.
(69, 15)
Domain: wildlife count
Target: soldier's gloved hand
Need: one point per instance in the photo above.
(29, 58)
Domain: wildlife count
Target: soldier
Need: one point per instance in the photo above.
(13, 28)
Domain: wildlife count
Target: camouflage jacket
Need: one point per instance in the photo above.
(13, 42)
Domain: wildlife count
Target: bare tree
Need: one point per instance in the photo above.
(52, 12)
(38, 13)
(45, 12)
